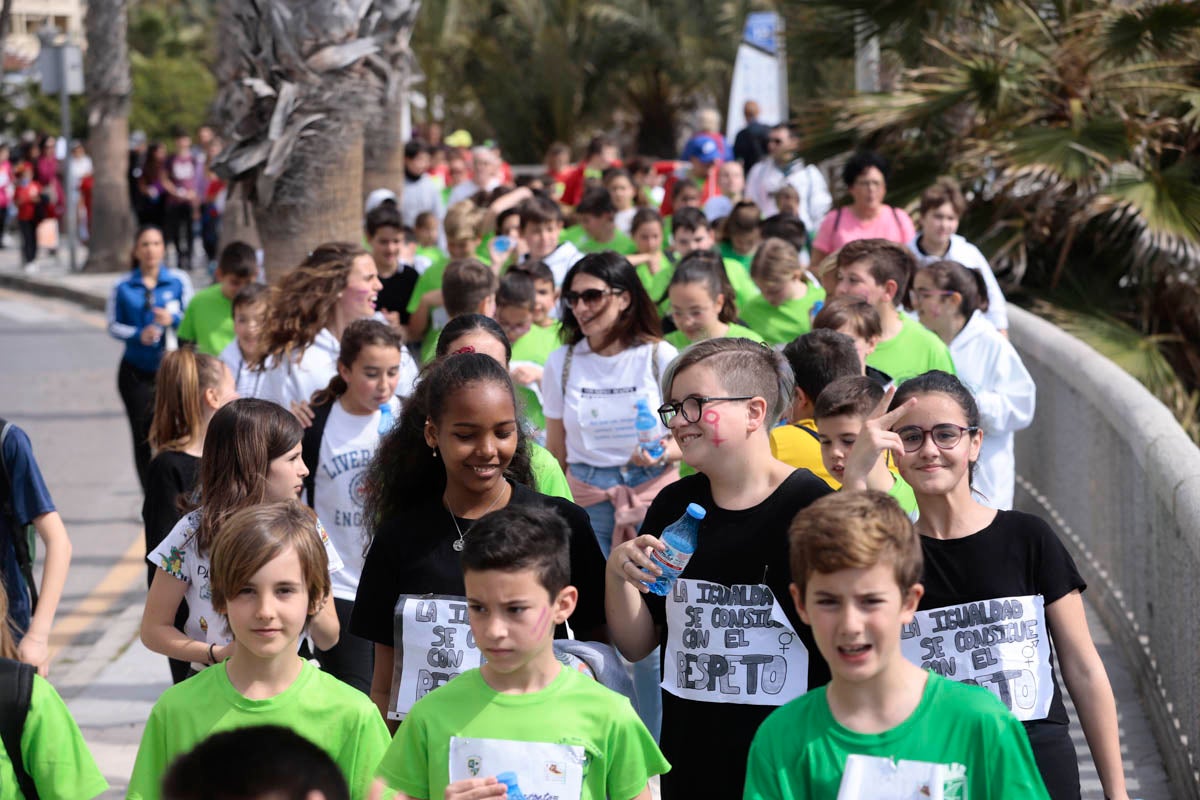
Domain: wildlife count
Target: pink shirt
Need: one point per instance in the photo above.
(892, 224)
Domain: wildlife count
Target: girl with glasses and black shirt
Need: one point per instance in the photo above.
(1002, 597)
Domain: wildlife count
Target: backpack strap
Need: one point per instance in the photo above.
(16, 692)
(310, 448)
(654, 365)
(837, 217)
(896, 216)
(807, 430)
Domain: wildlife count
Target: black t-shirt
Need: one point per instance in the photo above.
(171, 474)
(397, 289)
(414, 555)
(707, 743)
(1017, 555)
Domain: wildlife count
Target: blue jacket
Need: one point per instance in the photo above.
(130, 310)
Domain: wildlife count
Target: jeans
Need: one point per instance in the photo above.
(646, 673)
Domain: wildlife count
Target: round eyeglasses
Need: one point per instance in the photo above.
(945, 436)
(691, 408)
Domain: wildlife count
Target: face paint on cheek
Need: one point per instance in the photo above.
(713, 418)
(540, 626)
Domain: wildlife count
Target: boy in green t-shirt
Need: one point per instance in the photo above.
(532, 344)
(428, 254)
(208, 319)
(597, 229)
(470, 732)
(840, 412)
(881, 273)
(269, 577)
(882, 727)
(468, 287)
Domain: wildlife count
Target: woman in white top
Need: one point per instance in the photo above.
(308, 312)
(942, 206)
(951, 301)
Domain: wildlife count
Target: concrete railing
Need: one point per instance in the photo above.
(1107, 464)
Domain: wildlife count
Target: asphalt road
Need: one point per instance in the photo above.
(59, 371)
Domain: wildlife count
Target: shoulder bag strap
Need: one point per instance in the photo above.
(16, 691)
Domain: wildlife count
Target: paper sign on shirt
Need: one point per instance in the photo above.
(876, 778)
(539, 769)
(999, 644)
(608, 417)
(433, 644)
(731, 644)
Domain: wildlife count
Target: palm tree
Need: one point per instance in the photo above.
(298, 80)
(109, 86)
(1074, 128)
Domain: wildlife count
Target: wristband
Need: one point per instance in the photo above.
(212, 659)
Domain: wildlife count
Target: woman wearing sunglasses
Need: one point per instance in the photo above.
(613, 357)
(1002, 597)
(144, 310)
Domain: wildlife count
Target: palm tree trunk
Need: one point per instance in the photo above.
(109, 86)
(383, 154)
(290, 231)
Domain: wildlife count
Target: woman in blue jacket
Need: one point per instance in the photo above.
(144, 310)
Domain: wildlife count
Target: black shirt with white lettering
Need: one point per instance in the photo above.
(1017, 555)
(414, 555)
(707, 743)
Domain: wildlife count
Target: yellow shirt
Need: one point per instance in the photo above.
(796, 444)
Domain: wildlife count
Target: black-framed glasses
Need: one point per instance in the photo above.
(946, 436)
(691, 408)
(589, 296)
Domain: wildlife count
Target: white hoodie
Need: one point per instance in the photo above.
(969, 256)
(989, 366)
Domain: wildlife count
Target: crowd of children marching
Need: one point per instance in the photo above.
(407, 502)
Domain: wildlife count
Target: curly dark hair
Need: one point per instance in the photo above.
(405, 472)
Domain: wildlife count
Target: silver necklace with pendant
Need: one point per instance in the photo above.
(458, 545)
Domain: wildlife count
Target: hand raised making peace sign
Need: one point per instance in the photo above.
(874, 437)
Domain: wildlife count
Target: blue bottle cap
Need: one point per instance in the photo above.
(696, 511)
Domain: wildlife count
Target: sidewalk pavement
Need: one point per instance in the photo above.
(112, 691)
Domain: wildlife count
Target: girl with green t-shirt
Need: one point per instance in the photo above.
(702, 302)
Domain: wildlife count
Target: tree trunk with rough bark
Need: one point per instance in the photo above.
(383, 154)
(109, 86)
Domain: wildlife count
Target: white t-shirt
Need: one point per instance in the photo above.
(294, 381)
(178, 557)
(247, 381)
(600, 407)
(561, 259)
(347, 445)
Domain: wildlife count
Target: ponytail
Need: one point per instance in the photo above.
(182, 379)
(951, 276)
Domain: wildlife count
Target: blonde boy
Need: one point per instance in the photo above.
(883, 727)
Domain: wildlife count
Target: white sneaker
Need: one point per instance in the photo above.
(31, 267)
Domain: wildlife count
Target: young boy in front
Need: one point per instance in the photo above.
(208, 320)
(881, 273)
(270, 577)
(516, 565)
(883, 727)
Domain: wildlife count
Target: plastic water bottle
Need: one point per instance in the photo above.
(647, 430)
(385, 418)
(509, 779)
(680, 538)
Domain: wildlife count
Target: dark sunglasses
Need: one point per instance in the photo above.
(589, 296)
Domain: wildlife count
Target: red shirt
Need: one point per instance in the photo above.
(27, 198)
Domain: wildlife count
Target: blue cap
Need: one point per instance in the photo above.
(696, 511)
(705, 147)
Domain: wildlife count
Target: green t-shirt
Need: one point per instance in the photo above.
(782, 323)
(437, 258)
(911, 352)
(208, 321)
(680, 340)
(959, 735)
(52, 751)
(548, 476)
(333, 715)
(744, 289)
(535, 346)
(429, 280)
(729, 254)
(657, 283)
(902, 493)
(573, 710)
(620, 242)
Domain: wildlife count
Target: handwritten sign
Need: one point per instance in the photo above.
(731, 644)
(876, 778)
(433, 644)
(998, 644)
(539, 770)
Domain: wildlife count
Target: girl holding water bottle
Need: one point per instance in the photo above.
(350, 416)
(732, 650)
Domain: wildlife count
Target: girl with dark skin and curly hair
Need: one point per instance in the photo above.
(458, 452)
(307, 313)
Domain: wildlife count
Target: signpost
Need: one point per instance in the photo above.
(61, 68)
